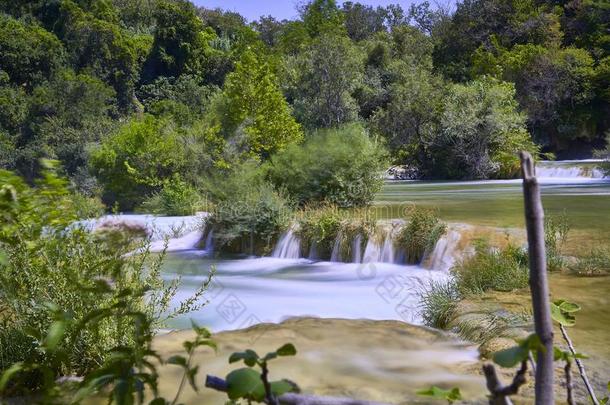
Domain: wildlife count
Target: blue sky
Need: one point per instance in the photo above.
(280, 9)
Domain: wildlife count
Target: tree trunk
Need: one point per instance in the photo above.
(534, 220)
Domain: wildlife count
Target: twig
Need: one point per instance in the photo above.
(569, 385)
(534, 220)
(219, 384)
(581, 367)
(500, 393)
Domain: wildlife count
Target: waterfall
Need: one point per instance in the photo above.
(336, 253)
(313, 251)
(209, 242)
(575, 169)
(289, 246)
(387, 251)
(372, 251)
(445, 252)
(356, 251)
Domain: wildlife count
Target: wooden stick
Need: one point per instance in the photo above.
(581, 367)
(534, 221)
(219, 384)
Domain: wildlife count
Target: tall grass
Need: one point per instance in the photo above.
(420, 234)
(492, 269)
(438, 301)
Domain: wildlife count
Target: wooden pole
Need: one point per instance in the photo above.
(534, 221)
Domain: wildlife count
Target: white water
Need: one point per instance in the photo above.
(170, 233)
(335, 255)
(445, 253)
(356, 249)
(250, 291)
(288, 246)
(569, 169)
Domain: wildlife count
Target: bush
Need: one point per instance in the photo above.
(249, 213)
(438, 302)
(137, 160)
(48, 265)
(175, 198)
(490, 268)
(556, 229)
(338, 166)
(420, 234)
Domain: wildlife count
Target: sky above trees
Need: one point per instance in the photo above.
(287, 9)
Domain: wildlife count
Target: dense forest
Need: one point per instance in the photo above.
(148, 103)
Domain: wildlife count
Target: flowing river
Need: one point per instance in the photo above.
(374, 284)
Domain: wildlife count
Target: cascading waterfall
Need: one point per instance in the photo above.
(335, 256)
(577, 169)
(289, 246)
(356, 250)
(379, 248)
(445, 252)
(209, 242)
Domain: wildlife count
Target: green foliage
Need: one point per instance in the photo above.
(490, 268)
(435, 392)
(322, 80)
(254, 104)
(249, 213)
(562, 312)
(556, 229)
(481, 132)
(438, 301)
(246, 383)
(104, 49)
(138, 159)
(175, 198)
(112, 301)
(29, 54)
(339, 166)
(420, 234)
(181, 42)
(518, 354)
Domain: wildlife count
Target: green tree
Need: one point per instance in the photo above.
(340, 166)
(29, 54)
(254, 103)
(324, 79)
(321, 16)
(103, 49)
(137, 160)
(181, 42)
(480, 134)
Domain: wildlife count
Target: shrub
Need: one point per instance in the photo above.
(175, 198)
(438, 302)
(556, 229)
(420, 234)
(594, 263)
(138, 160)
(249, 213)
(492, 269)
(338, 166)
(51, 265)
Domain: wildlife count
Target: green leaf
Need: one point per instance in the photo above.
(287, 350)
(561, 317)
(177, 360)
(567, 306)
(511, 357)
(55, 334)
(243, 383)
(9, 373)
(281, 387)
(439, 393)
(249, 357)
